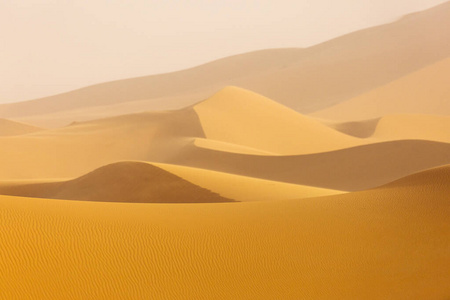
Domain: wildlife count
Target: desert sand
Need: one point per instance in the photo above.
(317, 173)
(391, 242)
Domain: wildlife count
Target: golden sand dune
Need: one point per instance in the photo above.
(350, 169)
(120, 182)
(388, 243)
(346, 66)
(257, 131)
(77, 149)
(243, 188)
(142, 182)
(426, 91)
(241, 117)
(12, 128)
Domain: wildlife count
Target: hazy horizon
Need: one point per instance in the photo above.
(52, 47)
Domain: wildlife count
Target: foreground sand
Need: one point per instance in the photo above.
(388, 243)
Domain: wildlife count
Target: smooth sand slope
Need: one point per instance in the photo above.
(350, 169)
(241, 117)
(12, 128)
(347, 66)
(244, 188)
(388, 243)
(426, 91)
(136, 182)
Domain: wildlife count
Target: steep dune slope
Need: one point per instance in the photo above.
(241, 117)
(12, 128)
(120, 182)
(347, 66)
(350, 169)
(388, 243)
(426, 91)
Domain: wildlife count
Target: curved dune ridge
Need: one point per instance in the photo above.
(244, 188)
(257, 122)
(426, 91)
(293, 77)
(136, 182)
(385, 243)
(349, 169)
(13, 128)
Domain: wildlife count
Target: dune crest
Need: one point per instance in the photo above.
(257, 122)
(134, 182)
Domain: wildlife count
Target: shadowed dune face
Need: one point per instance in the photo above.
(244, 188)
(120, 182)
(398, 127)
(379, 244)
(349, 169)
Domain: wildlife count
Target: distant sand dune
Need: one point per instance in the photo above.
(347, 66)
(426, 91)
(120, 182)
(12, 128)
(398, 127)
(380, 244)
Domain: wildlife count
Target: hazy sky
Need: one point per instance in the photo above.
(51, 46)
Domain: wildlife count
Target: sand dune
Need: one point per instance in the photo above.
(141, 182)
(350, 169)
(243, 188)
(202, 81)
(260, 123)
(12, 128)
(120, 182)
(257, 132)
(426, 91)
(347, 66)
(380, 244)
(104, 208)
(77, 149)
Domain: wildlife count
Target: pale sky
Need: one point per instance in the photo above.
(52, 46)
